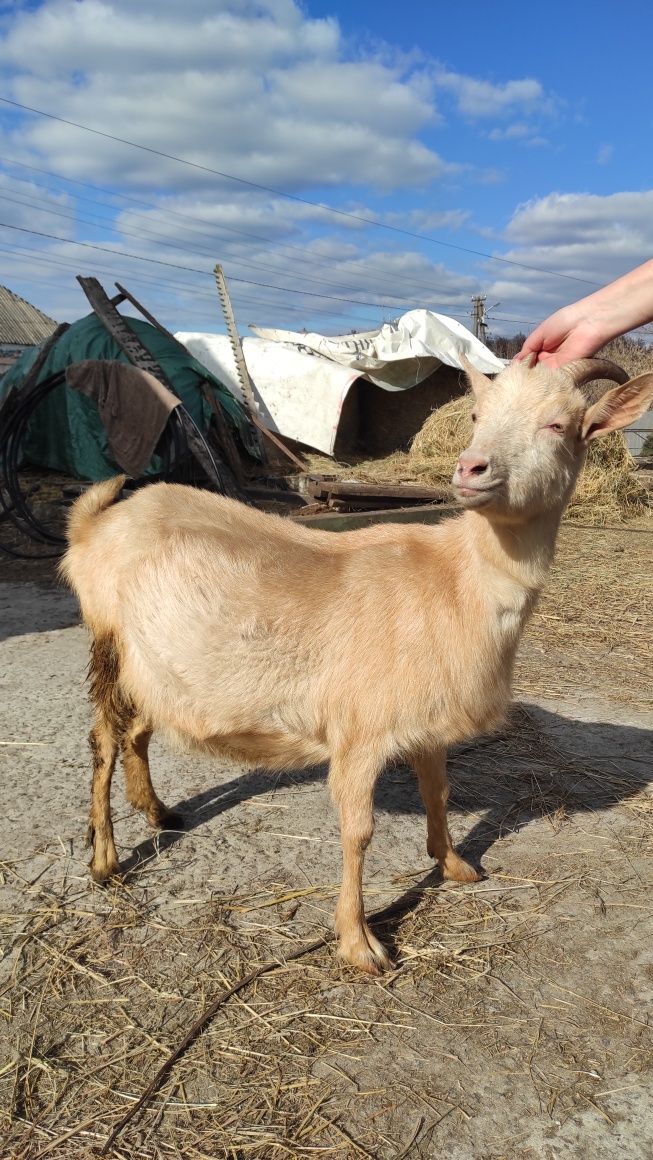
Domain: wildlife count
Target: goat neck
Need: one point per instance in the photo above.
(503, 568)
(520, 550)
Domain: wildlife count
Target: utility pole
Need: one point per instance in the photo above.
(479, 317)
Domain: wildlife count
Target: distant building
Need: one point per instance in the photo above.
(640, 434)
(21, 326)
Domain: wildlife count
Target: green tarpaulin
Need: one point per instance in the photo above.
(66, 434)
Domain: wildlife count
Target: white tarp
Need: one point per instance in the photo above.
(301, 380)
(299, 395)
(401, 354)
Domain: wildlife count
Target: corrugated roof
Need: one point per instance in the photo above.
(21, 323)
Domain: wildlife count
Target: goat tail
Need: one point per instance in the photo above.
(89, 505)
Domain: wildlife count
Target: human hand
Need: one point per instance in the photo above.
(565, 336)
(580, 330)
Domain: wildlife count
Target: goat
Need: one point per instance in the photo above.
(253, 637)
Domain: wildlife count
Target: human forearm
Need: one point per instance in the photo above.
(623, 305)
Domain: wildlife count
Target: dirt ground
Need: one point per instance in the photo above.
(517, 1024)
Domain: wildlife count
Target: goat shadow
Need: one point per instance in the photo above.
(27, 607)
(545, 762)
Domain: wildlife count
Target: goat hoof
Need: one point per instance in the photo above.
(366, 953)
(103, 873)
(168, 820)
(455, 869)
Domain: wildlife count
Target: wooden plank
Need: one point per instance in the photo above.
(120, 330)
(139, 306)
(280, 446)
(34, 371)
(354, 489)
(245, 379)
(350, 521)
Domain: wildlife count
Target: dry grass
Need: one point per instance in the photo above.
(591, 627)
(634, 356)
(313, 1059)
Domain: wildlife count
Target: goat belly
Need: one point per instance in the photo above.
(274, 750)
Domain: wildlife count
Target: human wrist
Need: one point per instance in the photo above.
(601, 326)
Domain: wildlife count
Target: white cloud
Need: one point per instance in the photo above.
(261, 90)
(483, 100)
(23, 203)
(116, 36)
(426, 221)
(359, 270)
(605, 154)
(621, 219)
(520, 132)
(589, 238)
(515, 132)
(256, 89)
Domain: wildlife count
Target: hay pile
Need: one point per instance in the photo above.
(436, 447)
(608, 490)
(430, 460)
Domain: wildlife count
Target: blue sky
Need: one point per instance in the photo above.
(523, 135)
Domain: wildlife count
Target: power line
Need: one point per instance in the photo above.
(243, 298)
(161, 240)
(290, 196)
(194, 270)
(193, 222)
(523, 321)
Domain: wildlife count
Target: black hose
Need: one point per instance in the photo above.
(15, 417)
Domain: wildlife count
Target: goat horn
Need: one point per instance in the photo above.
(585, 370)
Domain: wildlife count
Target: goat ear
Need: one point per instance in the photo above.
(618, 407)
(477, 380)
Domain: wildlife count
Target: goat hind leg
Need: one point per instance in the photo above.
(138, 783)
(352, 778)
(104, 748)
(431, 770)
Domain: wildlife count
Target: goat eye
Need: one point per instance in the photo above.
(556, 427)
(473, 416)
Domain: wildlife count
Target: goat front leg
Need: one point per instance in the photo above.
(352, 778)
(431, 770)
(138, 783)
(104, 748)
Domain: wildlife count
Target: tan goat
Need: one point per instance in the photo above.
(251, 636)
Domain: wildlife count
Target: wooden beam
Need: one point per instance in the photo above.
(354, 490)
(350, 521)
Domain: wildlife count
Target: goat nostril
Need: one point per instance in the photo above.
(472, 465)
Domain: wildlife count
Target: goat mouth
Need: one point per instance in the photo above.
(476, 493)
